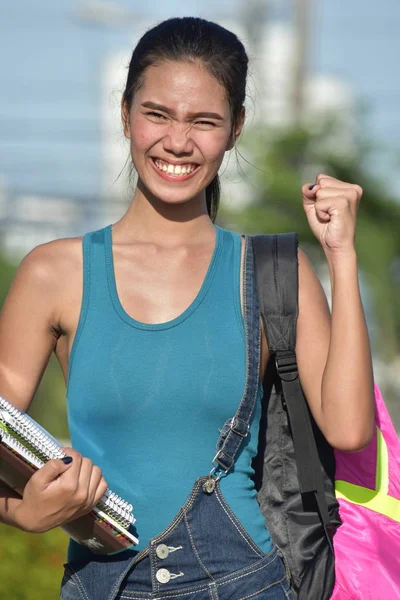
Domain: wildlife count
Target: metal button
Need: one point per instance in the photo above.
(162, 551)
(209, 485)
(163, 575)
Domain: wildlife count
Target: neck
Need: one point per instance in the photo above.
(150, 219)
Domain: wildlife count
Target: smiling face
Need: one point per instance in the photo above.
(180, 127)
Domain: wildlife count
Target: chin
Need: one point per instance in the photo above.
(174, 199)
(169, 195)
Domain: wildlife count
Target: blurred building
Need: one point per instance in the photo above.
(27, 220)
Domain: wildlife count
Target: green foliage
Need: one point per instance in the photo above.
(31, 565)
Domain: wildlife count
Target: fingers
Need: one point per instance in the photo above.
(323, 181)
(51, 470)
(81, 496)
(334, 198)
(60, 492)
(325, 208)
(69, 480)
(85, 484)
(100, 490)
(328, 181)
(90, 480)
(95, 479)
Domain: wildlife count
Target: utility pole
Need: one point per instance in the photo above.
(302, 16)
(297, 14)
(254, 16)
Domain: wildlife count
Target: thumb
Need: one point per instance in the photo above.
(53, 469)
(308, 191)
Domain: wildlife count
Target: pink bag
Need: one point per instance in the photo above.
(367, 544)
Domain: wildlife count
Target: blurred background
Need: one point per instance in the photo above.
(323, 96)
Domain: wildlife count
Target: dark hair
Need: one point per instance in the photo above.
(194, 39)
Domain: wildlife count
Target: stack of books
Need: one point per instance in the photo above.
(25, 447)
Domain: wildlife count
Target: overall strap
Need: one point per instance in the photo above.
(276, 268)
(230, 442)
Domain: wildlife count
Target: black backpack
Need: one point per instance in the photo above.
(294, 467)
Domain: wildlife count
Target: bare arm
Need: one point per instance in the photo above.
(334, 354)
(9, 501)
(27, 338)
(29, 329)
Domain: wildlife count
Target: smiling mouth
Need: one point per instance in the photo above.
(174, 170)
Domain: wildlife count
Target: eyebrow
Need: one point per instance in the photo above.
(207, 115)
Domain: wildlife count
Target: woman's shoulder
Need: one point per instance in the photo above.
(52, 262)
(58, 251)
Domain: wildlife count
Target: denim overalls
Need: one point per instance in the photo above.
(204, 553)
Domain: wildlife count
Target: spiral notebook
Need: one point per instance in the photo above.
(25, 447)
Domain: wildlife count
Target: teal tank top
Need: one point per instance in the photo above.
(146, 402)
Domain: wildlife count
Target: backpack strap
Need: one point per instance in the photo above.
(276, 268)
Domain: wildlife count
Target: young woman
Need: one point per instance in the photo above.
(148, 320)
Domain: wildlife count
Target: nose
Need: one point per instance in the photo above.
(178, 140)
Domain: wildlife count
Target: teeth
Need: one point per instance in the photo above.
(174, 169)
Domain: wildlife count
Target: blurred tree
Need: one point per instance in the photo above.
(285, 160)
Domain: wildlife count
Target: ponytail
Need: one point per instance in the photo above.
(213, 191)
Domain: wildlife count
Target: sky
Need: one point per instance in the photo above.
(50, 65)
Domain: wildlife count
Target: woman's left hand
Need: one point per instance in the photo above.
(331, 209)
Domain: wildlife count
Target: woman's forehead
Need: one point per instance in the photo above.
(185, 84)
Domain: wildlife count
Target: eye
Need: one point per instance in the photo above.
(157, 116)
(205, 124)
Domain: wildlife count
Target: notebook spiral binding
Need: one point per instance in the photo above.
(42, 447)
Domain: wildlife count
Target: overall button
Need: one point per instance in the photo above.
(162, 551)
(163, 575)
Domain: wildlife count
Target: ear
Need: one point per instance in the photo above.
(125, 119)
(238, 129)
